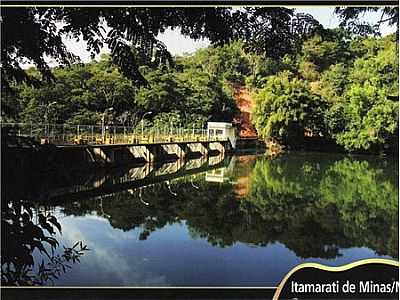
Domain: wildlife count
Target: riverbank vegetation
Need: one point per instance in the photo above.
(338, 88)
(334, 85)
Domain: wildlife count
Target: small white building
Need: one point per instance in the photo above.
(222, 131)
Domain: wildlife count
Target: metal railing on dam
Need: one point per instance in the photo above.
(23, 151)
(67, 134)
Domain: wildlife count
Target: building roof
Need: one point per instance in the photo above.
(219, 125)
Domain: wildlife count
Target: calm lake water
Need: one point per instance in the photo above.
(243, 222)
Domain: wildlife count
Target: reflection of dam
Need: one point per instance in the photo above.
(132, 178)
(46, 171)
(223, 174)
(217, 175)
(262, 201)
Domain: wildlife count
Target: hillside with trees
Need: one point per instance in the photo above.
(337, 85)
(339, 88)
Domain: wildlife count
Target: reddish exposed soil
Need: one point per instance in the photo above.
(245, 103)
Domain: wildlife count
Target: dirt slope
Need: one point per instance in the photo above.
(245, 103)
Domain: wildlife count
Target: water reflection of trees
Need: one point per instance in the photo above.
(312, 205)
(316, 207)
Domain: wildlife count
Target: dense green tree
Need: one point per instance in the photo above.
(332, 82)
(79, 95)
(378, 64)
(226, 63)
(365, 120)
(357, 79)
(365, 117)
(197, 96)
(326, 48)
(285, 108)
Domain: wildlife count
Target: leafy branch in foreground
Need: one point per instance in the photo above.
(22, 237)
(350, 18)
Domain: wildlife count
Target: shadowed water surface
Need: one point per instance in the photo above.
(245, 223)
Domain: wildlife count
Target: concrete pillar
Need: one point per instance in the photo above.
(183, 150)
(90, 155)
(153, 153)
(104, 155)
(99, 182)
(193, 148)
(204, 148)
(200, 147)
(195, 163)
(171, 151)
(218, 146)
(142, 152)
(110, 155)
(170, 168)
(100, 154)
(140, 172)
(214, 160)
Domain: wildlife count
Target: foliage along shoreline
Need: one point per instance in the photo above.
(340, 89)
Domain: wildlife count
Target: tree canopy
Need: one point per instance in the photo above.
(339, 87)
(338, 84)
(30, 33)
